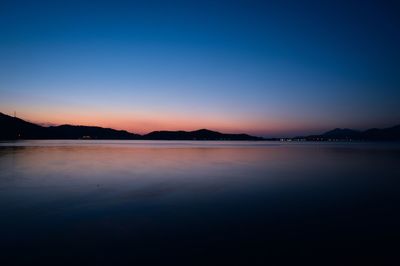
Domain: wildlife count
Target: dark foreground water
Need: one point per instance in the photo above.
(147, 203)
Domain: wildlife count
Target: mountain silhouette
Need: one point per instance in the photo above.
(374, 134)
(16, 128)
(342, 133)
(391, 133)
(13, 128)
(77, 132)
(201, 134)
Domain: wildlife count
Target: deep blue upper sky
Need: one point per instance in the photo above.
(264, 67)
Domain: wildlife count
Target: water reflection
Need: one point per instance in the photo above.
(199, 196)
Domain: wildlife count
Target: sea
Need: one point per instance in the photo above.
(116, 202)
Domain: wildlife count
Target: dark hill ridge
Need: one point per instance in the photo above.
(15, 128)
(77, 132)
(342, 133)
(12, 128)
(374, 134)
(201, 134)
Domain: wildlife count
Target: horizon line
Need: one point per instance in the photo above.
(47, 125)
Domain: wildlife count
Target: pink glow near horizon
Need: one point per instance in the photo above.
(142, 123)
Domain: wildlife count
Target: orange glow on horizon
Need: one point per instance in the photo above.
(145, 122)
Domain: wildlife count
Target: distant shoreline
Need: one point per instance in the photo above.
(13, 128)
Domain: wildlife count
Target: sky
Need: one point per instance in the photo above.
(270, 68)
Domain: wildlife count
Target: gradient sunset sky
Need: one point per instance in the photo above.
(270, 68)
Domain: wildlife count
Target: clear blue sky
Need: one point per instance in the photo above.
(263, 67)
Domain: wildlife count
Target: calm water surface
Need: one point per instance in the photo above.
(166, 202)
